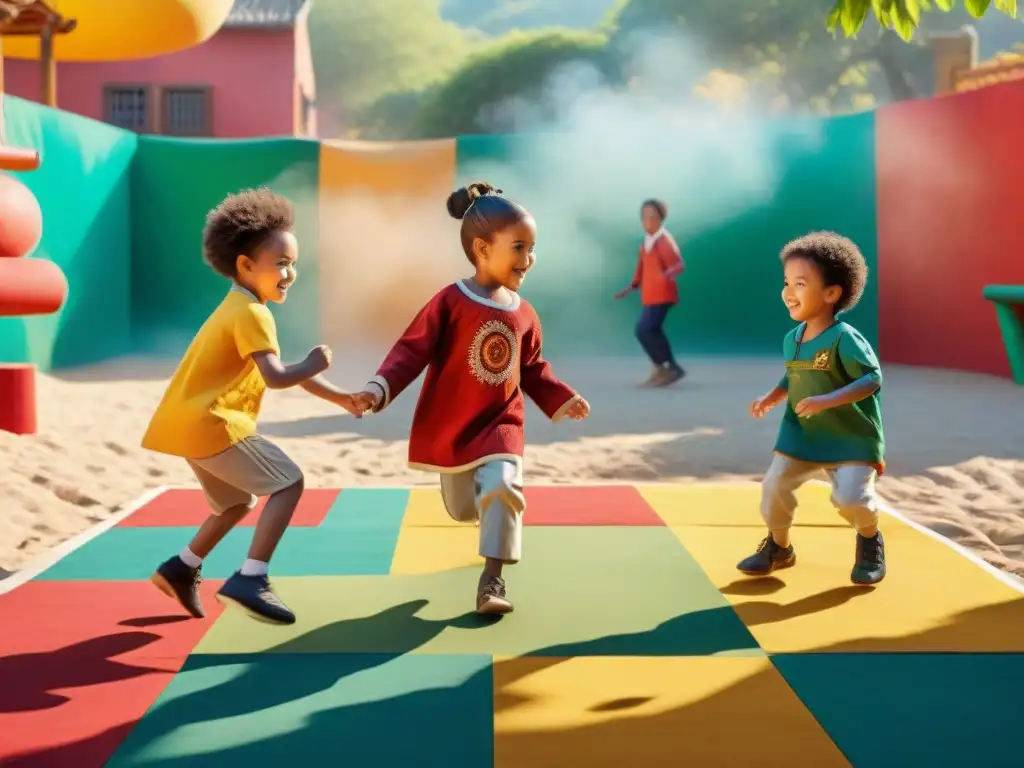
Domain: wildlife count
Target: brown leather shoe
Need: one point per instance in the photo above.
(670, 376)
(491, 598)
(654, 380)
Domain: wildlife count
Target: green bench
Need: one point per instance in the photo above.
(1009, 301)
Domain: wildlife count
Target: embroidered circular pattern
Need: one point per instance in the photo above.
(492, 355)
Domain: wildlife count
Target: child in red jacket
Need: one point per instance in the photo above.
(481, 345)
(658, 266)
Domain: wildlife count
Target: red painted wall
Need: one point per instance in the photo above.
(252, 74)
(950, 197)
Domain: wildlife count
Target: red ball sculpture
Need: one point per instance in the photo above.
(27, 286)
(21, 221)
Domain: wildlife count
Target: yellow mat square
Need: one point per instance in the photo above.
(933, 598)
(732, 505)
(640, 711)
(426, 510)
(430, 541)
(433, 550)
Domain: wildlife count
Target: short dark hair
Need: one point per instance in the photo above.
(484, 213)
(839, 260)
(241, 224)
(660, 208)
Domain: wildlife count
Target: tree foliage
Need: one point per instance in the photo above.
(904, 16)
(414, 68)
(365, 49)
(485, 93)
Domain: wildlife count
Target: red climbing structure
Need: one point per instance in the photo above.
(27, 286)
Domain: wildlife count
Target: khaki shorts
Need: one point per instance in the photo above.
(246, 471)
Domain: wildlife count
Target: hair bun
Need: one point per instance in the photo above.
(461, 199)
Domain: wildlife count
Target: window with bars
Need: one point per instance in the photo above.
(186, 111)
(128, 107)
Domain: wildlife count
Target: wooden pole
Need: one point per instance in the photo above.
(49, 65)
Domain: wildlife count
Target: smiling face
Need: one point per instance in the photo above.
(509, 255)
(270, 272)
(804, 291)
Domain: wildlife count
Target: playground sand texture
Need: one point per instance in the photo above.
(955, 445)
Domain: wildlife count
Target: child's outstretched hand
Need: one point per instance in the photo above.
(579, 410)
(364, 401)
(760, 407)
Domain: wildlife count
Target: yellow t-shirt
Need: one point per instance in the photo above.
(213, 399)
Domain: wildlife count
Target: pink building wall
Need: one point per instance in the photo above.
(305, 79)
(255, 76)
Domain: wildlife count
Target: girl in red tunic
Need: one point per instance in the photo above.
(481, 345)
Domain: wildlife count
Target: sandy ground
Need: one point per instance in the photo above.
(956, 445)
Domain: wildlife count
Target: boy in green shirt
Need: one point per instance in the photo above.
(833, 419)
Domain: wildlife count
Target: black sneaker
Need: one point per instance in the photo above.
(870, 565)
(768, 557)
(178, 581)
(491, 598)
(254, 595)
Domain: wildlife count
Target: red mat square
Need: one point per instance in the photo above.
(592, 506)
(82, 661)
(187, 508)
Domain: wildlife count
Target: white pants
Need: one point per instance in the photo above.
(493, 495)
(853, 491)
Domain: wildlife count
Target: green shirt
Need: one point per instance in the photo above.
(849, 433)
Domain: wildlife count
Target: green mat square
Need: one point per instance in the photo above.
(578, 592)
(900, 710)
(132, 554)
(374, 709)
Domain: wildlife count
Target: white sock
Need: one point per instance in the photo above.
(254, 568)
(190, 558)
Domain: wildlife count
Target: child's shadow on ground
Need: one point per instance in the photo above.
(28, 681)
(260, 685)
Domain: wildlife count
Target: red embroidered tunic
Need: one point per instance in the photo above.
(480, 357)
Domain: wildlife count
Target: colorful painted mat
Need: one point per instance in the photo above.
(635, 643)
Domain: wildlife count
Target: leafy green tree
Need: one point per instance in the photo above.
(780, 46)
(904, 16)
(364, 50)
(493, 86)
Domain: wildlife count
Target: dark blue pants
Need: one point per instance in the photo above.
(650, 334)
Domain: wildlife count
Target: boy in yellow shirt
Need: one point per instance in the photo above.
(209, 411)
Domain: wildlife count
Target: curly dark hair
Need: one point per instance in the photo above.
(241, 224)
(839, 260)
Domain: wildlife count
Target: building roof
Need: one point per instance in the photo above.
(264, 13)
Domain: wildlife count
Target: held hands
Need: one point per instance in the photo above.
(318, 359)
(364, 401)
(348, 402)
(579, 410)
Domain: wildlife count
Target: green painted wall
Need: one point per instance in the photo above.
(175, 183)
(123, 216)
(731, 208)
(84, 191)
